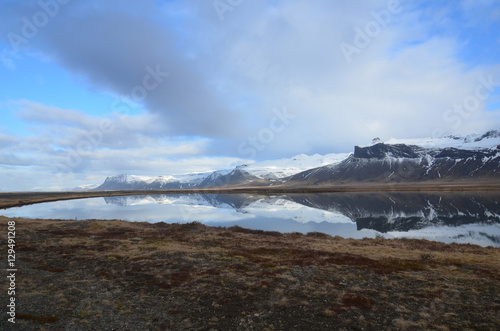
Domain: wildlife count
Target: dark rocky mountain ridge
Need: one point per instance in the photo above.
(384, 163)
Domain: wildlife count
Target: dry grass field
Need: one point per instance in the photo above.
(116, 275)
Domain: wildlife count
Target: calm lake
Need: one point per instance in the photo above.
(447, 217)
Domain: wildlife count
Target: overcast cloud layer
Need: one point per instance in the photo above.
(200, 85)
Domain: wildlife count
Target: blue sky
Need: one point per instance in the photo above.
(93, 89)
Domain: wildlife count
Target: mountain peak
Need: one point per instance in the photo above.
(122, 178)
(488, 135)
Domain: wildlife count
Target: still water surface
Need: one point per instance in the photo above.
(451, 217)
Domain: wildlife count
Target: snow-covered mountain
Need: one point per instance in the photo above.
(474, 157)
(131, 182)
(214, 178)
(255, 174)
(277, 169)
(269, 173)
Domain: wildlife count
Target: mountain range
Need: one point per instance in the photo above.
(448, 159)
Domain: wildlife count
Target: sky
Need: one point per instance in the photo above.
(90, 89)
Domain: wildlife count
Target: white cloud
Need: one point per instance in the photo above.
(68, 147)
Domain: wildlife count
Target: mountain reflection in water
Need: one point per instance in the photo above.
(462, 217)
(449, 217)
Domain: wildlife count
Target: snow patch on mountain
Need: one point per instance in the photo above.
(489, 140)
(192, 178)
(277, 169)
(133, 178)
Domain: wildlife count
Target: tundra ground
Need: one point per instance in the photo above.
(116, 275)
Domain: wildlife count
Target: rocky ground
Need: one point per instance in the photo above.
(115, 275)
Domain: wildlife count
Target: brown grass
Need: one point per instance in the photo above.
(114, 274)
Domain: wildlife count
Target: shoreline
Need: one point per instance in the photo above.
(18, 199)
